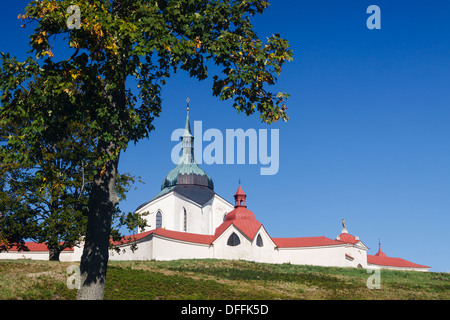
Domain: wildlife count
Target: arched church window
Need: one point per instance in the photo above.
(233, 240)
(259, 241)
(159, 219)
(185, 220)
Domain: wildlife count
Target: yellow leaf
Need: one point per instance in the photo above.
(198, 43)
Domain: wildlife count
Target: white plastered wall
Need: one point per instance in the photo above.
(194, 215)
(165, 205)
(35, 255)
(144, 251)
(200, 220)
(247, 249)
(321, 256)
(358, 252)
(170, 249)
(220, 207)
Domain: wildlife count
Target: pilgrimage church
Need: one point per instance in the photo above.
(188, 220)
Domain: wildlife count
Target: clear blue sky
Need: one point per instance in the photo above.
(368, 138)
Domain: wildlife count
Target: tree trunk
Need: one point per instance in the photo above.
(103, 198)
(54, 254)
(102, 202)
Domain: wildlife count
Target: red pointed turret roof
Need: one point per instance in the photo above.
(240, 217)
(380, 253)
(240, 192)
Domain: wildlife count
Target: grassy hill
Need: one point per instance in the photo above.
(220, 280)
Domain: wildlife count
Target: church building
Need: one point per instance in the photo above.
(187, 201)
(188, 220)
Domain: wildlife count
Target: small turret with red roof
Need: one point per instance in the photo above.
(240, 217)
(380, 253)
(345, 236)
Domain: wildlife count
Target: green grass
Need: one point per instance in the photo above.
(220, 280)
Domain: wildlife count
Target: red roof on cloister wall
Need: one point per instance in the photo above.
(176, 235)
(393, 262)
(381, 259)
(305, 242)
(37, 247)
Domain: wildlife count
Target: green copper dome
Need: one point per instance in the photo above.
(187, 172)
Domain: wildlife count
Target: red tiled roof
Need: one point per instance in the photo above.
(130, 238)
(241, 218)
(36, 247)
(393, 262)
(184, 236)
(246, 226)
(240, 192)
(177, 235)
(240, 213)
(347, 238)
(305, 242)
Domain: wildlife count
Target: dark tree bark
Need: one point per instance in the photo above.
(102, 202)
(54, 254)
(103, 198)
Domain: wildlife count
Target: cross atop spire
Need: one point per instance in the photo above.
(187, 100)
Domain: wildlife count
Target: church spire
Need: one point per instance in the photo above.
(187, 140)
(187, 171)
(187, 126)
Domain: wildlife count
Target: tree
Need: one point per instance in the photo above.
(45, 170)
(44, 189)
(150, 40)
